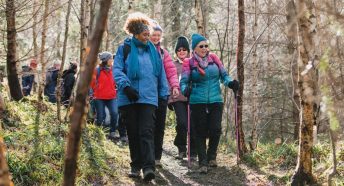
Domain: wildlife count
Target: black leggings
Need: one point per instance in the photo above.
(180, 109)
(207, 120)
(139, 120)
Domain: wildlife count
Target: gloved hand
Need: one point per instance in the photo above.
(187, 91)
(131, 93)
(170, 106)
(234, 85)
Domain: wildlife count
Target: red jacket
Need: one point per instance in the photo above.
(104, 87)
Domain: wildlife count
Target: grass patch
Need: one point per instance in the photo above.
(36, 147)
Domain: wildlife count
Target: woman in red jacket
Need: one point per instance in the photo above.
(104, 92)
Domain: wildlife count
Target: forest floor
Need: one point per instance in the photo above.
(36, 147)
(176, 172)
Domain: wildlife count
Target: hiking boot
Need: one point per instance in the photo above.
(181, 155)
(158, 163)
(113, 136)
(203, 170)
(212, 163)
(134, 173)
(193, 158)
(123, 139)
(148, 175)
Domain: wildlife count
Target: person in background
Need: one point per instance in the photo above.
(172, 77)
(179, 105)
(141, 80)
(104, 92)
(28, 78)
(51, 82)
(200, 81)
(68, 77)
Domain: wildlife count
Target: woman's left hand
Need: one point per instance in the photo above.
(175, 92)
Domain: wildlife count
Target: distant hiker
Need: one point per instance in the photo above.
(172, 77)
(68, 81)
(28, 77)
(179, 105)
(104, 92)
(51, 82)
(201, 78)
(141, 80)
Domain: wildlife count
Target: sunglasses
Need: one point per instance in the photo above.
(181, 49)
(201, 46)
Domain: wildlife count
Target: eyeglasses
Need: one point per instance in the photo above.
(201, 46)
(181, 49)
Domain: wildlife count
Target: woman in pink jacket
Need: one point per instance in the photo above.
(172, 78)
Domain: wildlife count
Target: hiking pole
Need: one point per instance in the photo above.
(236, 123)
(188, 136)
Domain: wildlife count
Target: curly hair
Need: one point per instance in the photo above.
(136, 23)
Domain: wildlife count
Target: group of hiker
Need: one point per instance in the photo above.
(145, 81)
(141, 81)
(68, 80)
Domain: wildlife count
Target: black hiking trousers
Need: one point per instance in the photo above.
(139, 120)
(207, 121)
(180, 109)
(160, 128)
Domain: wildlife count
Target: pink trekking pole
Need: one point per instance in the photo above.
(236, 123)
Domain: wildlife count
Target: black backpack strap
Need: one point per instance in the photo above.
(162, 54)
(126, 51)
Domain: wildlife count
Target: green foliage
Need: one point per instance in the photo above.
(36, 147)
(282, 156)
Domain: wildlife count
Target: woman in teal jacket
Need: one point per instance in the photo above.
(141, 80)
(200, 82)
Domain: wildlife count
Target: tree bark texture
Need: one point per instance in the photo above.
(11, 59)
(240, 66)
(199, 17)
(292, 43)
(254, 136)
(307, 84)
(42, 55)
(78, 113)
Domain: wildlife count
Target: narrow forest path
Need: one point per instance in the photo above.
(175, 172)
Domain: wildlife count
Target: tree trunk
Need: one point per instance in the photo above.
(11, 61)
(307, 83)
(83, 29)
(292, 43)
(42, 57)
(254, 136)
(107, 35)
(78, 113)
(240, 65)
(35, 44)
(175, 14)
(34, 29)
(131, 6)
(59, 78)
(199, 17)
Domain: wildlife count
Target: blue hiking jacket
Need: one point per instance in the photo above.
(149, 86)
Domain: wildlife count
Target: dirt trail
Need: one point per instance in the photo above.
(175, 172)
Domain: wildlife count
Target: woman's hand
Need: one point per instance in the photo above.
(175, 92)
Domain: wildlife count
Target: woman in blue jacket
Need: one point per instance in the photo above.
(200, 81)
(141, 81)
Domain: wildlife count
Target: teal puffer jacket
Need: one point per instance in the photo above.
(205, 88)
